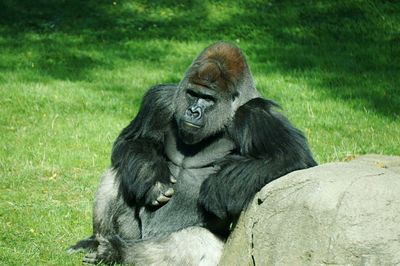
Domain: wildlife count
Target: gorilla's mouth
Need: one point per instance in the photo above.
(189, 132)
(191, 125)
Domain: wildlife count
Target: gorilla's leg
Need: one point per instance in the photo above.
(190, 246)
(111, 215)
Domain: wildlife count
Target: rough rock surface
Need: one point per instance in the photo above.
(337, 214)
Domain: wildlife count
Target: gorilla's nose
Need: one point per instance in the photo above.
(194, 112)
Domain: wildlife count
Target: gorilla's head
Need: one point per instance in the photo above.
(215, 85)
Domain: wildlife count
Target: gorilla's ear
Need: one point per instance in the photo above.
(235, 95)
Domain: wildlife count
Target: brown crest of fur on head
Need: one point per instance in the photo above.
(221, 65)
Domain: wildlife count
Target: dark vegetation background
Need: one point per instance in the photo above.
(72, 74)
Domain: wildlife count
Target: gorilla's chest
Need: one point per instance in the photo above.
(190, 171)
(196, 156)
(191, 166)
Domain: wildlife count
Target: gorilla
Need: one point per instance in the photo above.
(188, 164)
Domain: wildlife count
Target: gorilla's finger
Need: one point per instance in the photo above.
(169, 192)
(90, 258)
(172, 179)
(155, 203)
(163, 199)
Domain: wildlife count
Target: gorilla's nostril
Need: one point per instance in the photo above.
(194, 113)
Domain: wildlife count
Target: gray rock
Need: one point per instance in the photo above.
(336, 213)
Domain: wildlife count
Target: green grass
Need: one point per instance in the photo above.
(72, 74)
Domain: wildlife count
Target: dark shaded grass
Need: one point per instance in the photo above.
(349, 43)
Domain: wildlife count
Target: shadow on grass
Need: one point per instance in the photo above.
(348, 49)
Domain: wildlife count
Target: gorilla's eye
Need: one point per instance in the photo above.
(192, 94)
(208, 98)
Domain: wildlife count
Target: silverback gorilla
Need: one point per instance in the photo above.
(188, 164)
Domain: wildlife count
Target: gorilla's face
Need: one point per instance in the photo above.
(206, 98)
(200, 113)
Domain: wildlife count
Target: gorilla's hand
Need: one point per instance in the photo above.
(149, 182)
(160, 193)
(143, 173)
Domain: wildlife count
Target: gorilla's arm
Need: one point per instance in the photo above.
(268, 147)
(138, 155)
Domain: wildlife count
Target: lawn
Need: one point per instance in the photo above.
(72, 74)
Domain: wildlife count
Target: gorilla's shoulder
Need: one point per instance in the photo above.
(262, 103)
(162, 87)
(260, 129)
(157, 100)
(160, 90)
